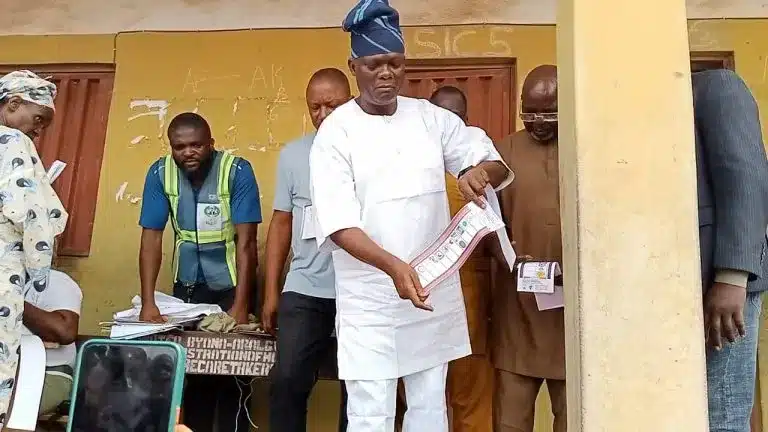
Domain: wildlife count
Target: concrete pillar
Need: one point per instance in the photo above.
(635, 354)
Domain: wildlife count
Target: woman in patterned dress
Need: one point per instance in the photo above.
(31, 215)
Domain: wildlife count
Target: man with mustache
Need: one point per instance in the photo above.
(377, 169)
(213, 202)
(528, 344)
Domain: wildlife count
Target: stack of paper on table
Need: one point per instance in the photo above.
(170, 307)
(137, 330)
(127, 325)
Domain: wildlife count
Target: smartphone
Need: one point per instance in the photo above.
(127, 386)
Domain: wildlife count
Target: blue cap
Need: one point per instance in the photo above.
(374, 28)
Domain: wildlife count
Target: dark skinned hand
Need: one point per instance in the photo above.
(239, 312)
(269, 314)
(408, 285)
(151, 313)
(472, 185)
(724, 314)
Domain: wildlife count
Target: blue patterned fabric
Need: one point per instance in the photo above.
(374, 28)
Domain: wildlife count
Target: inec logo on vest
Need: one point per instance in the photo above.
(212, 211)
(209, 217)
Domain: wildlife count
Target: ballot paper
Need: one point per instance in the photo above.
(308, 223)
(55, 170)
(137, 330)
(29, 385)
(545, 301)
(127, 325)
(537, 277)
(168, 320)
(506, 247)
(454, 246)
(170, 307)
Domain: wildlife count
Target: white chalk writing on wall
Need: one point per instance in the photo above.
(262, 102)
(192, 82)
(700, 38)
(447, 42)
(152, 107)
(121, 194)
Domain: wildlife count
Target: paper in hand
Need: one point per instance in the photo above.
(453, 247)
(506, 246)
(546, 301)
(537, 277)
(55, 171)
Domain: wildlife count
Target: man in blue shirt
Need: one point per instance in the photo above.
(305, 313)
(213, 202)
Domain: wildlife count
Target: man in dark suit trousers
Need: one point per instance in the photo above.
(732, 172)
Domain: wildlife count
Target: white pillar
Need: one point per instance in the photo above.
(634, 342)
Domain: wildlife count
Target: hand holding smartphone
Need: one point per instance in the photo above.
(127, 386)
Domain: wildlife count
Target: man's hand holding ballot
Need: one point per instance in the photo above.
(472, 182)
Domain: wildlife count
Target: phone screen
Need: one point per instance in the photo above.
(124, 387)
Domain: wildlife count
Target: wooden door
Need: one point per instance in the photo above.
(488, 85)
(703, 60)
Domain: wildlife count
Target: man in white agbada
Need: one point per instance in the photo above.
(377, 169)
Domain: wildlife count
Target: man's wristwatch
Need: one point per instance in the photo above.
(464, 171)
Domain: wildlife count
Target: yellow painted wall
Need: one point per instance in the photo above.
(250, 86)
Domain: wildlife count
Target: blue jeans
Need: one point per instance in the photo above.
(731, 375)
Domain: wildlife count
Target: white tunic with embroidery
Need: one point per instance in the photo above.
(386, 176)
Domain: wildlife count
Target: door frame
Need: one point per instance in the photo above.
(724, 59)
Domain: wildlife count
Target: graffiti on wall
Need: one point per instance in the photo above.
(254, 119)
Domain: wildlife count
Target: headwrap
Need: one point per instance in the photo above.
(29, 87)
(374, 27)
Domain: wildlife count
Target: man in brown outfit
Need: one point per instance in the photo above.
(528, 344)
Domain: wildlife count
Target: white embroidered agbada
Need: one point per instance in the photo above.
(386, 176)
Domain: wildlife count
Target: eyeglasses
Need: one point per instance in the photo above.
(532, 117)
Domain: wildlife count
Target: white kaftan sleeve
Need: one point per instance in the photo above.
(332, 184)
(465, 146)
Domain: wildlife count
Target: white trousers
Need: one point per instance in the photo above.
(371, 404)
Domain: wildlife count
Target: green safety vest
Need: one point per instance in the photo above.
(207, 252)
